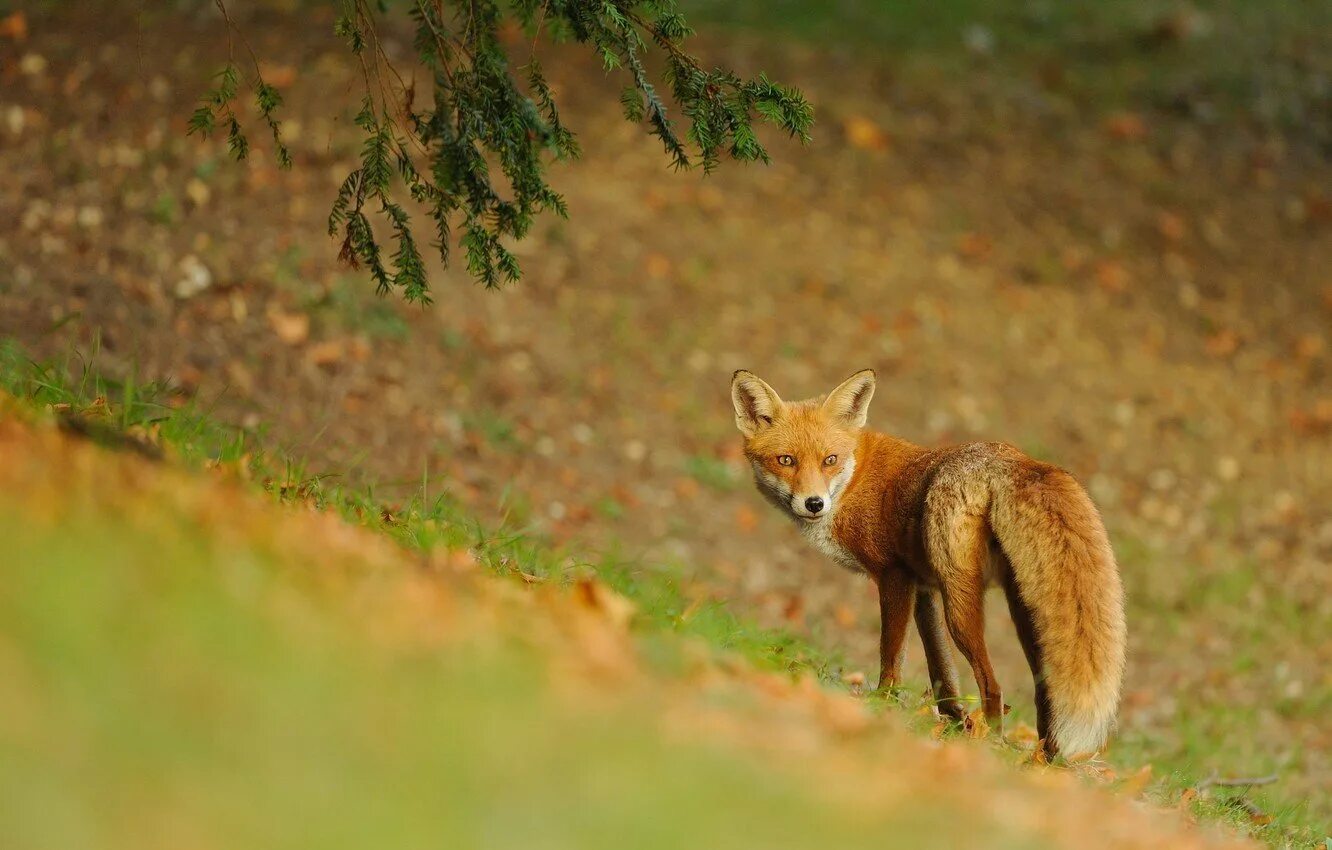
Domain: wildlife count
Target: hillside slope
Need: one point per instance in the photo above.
(185, 663)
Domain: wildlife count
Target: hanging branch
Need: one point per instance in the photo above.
(487, 115)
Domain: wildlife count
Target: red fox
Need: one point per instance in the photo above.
(933, 528)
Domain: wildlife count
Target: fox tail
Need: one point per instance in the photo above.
(1066, 576)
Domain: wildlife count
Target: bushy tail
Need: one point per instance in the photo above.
(1066, 575)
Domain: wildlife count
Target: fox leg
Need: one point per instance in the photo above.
(1026, 630)
(897, 598)
(964, 610)
(938, 653)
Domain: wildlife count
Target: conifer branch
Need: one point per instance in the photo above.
(488, 116)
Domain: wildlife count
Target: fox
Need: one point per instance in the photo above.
(933, 528)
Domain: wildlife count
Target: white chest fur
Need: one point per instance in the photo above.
(821, 535)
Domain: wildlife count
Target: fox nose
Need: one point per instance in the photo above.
(814, 504)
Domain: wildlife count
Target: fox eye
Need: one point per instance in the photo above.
(830, 460)
(786, 460)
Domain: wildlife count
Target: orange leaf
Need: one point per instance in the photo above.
(14, 27)
(975, 724)
(597, 596)
(1223, 343)
(1138, 782)
(1126, 126)
(864, 134)
(291, 328)
(1021, 733)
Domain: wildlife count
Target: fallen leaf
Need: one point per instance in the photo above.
(291, 328)
(657, 265)
(864, 134)
(1138, 782)
(1023, 734)
(975, 246)
(596, 595)
(1223, 343)
(14, 26)
(1186, 799)
(1126, 126)
(975, 725)
(1171, 227)
(326, 353)
(278, 75)
(1111, 276)
(794, 610)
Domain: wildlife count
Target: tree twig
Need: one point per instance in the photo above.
(1215, 781)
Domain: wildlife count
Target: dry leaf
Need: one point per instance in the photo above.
(1171, 227)
(864, 134)
(657, 265)
(854, 679)
(794, 610)
(326, 353)
(598, 596)
(291, 328)
(278, 75)
(975, 246)
(1223, 343)
(1138, 782)
(1111, 276)
(1023, 734)
(975, 724)
(1126, 126)
(14, 27)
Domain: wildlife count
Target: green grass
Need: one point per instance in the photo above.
(711, 472)
(151, 656)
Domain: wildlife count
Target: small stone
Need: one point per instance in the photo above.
(32, 65)
(583, 433)
(89, 218)
(979, 39)
(197, 191)
(15, 120)
(635, 450)
(1227, 468)
(194, 277)
(1161, 479)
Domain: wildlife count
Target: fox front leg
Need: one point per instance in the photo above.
(897, 601)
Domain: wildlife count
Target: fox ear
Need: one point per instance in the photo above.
(756, 403)
(849, 403)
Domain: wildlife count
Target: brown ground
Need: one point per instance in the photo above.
(1144, 302)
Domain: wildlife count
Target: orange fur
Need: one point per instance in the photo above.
(933, 528)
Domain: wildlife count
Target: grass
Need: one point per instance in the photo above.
(1262, 62)
(144, 648)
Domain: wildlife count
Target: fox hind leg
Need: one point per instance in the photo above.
(1026, 630)
(960, 554)
(938, 653)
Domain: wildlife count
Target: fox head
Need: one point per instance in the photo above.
(803, 453)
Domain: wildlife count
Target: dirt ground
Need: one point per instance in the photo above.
(1143, 300)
